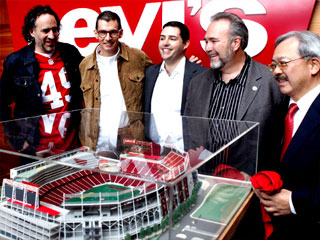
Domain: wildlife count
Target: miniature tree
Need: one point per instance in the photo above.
(128, 237)
(155, 227)
(148, 231)
(163, 224)
(142, 233)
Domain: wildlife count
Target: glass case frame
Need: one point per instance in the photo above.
(171, 155)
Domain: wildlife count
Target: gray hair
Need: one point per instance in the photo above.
(309, 42)
(237, 27)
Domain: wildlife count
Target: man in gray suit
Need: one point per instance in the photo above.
(238, 88)
(166, 85)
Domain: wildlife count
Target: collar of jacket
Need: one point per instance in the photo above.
(29, 56)
(124, 51)
(92, 61)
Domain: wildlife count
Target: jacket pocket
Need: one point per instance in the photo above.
(23, 82)
(88, 95)
(136, 76)
(85, 88)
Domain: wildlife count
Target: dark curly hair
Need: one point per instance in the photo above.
(31, 17)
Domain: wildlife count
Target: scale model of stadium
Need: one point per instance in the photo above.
(44, 200)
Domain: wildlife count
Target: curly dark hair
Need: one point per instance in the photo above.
(31, 17)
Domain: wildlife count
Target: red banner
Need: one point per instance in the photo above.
(142, 21)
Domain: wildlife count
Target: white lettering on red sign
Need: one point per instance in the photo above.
(171, 11)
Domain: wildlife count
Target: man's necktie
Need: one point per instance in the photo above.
(288, 128)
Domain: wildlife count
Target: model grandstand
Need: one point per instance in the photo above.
(102, 198)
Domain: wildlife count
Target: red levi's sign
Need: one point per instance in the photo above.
(142, 21)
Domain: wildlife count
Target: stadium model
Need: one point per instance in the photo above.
(49, 200)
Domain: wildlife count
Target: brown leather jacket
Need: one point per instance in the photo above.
(131, 65)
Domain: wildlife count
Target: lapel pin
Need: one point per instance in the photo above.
(254, 88)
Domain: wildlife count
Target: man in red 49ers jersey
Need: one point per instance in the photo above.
(41, 79)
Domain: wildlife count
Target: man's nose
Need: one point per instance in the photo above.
(208, 47)
(51, 34)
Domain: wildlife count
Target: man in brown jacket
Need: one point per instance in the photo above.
(112, 81)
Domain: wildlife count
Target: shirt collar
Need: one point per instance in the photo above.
(305, 102)
(98, 49)
(179, 69)
(240, 78)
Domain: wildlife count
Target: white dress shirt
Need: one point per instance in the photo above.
(304, 104)
(166, 106)
(112, 104)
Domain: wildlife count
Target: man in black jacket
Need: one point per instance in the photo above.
(167, 84)
(41, 78)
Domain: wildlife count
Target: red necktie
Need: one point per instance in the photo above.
(288, 128)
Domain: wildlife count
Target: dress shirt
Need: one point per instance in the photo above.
(226, 98)
(166, 105)
(304, 104)
(112, 102)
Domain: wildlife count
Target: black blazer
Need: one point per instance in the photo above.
(151, 76)
(300, 172)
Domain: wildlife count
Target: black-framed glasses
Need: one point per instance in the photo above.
(112, 33)
(282, 64)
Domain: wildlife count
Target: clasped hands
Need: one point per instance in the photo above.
(276, 204)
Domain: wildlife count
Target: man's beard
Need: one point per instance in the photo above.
(222, 61)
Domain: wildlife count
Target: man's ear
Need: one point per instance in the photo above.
(186, 45)
(96, 34)
(31, 31)
(121, 33)
(315, 66)
(236, 43)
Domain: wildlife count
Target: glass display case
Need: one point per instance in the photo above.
(80, 175)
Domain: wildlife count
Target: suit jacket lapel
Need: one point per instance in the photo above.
(251, 90)
(188, 73)
(206, 92)
(306, 128)
(149, 87)
(154, 76)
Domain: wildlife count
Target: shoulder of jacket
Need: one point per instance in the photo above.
(88, 61)
(153, 67)
(132, 50)
(196, 66)
(260, 67)
(20, 55)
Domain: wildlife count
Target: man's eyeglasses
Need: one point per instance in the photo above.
(282, 64)
(112, 33)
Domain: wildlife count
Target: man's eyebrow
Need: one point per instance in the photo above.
(162, 35)
(278, 59)
(210, 38)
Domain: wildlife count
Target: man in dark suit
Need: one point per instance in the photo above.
(296, 208)
(166, 84)
(237, 88)
(173, 43)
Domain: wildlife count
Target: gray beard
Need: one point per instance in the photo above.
(222, 61)
(217, 65)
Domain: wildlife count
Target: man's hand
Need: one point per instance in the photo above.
(277, 204)
(25, 146)
(195, 59)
